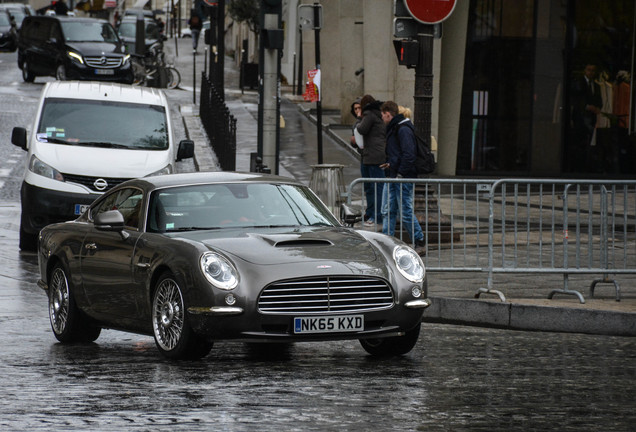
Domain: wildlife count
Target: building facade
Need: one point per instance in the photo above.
(508, 81)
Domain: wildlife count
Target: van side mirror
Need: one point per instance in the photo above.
(186, 150)
(19, 137)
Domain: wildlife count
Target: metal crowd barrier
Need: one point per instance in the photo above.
(565, 227)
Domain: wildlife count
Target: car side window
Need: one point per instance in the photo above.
(56, 33)
(128, 201)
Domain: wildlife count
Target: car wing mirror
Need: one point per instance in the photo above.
(186, 150)
(19, 137)
(111, 220)
(350, 214)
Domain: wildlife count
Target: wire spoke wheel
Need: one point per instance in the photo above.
(174, 77)
(59, 301)
(168, 314)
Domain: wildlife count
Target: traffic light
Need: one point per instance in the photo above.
(408, 52)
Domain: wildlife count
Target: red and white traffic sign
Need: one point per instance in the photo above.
(430, 11)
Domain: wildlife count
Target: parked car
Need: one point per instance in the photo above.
(72, 48)
(88, 137)
(8, 32)
(127, 32)
(18, 10)
(200, 257)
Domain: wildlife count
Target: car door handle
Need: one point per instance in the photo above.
(90, 246)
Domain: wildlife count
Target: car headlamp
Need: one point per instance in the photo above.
(75, 56)
(165, 170)
(409, 263)
(40, 168)
(219, 271)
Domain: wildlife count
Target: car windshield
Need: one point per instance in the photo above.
(128, 29)
(103, 124)
(4, 19)
(242, 205)
(87, 31)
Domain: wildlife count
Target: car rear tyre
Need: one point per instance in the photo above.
(60, 73)
(393, 346)
(173, 335)
(67, 322)
(27, 75)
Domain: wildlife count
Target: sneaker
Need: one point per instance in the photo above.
(369, 223)
(420, 243)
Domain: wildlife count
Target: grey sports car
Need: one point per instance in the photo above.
(195, 258)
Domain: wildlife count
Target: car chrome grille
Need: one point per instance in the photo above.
(326, 294)
(89, 182)
(103, 62)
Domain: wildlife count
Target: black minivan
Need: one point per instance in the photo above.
(72, 48)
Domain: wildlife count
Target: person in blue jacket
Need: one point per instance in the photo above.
(401, 152)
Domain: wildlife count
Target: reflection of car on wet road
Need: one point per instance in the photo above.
(194, 258)
(88, 137)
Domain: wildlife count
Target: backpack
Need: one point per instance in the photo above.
(425, 160)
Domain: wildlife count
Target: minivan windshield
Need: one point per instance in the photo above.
(103, 124)
(86, 31)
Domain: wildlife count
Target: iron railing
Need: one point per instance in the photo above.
(219, 124)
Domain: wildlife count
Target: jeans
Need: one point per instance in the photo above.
(397, 200)
(195, 38)
(373, 192)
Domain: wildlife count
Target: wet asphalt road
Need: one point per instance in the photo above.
(457, 378)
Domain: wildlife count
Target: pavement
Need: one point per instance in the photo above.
(452, 295)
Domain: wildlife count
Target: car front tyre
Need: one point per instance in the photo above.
(27, 75)
(173, 335)
(393, 346)
(60, 73)
(67, 322)
(28, 241)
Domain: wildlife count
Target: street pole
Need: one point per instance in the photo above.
(318, 102)
(423, 97)
(271, 42)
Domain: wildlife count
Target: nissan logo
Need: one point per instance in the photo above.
(100, 184)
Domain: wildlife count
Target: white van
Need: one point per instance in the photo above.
(88, 137)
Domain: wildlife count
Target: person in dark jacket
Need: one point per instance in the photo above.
(401, 151)
(371, 128)
(195, 29)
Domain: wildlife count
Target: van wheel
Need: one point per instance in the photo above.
(28, 241)
(27, 75)
(60, 73)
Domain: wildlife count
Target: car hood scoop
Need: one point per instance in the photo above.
(320, 244)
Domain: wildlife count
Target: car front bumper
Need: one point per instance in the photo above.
(41, 207)
(231, 322)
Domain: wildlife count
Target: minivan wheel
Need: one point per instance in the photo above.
(28, 241)
(60, 73)
(27, 75)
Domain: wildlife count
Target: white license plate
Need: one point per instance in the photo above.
(104, 72)
(80, 208)
(329, 324)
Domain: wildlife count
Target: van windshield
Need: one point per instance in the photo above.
(83, 31)
(103, 124)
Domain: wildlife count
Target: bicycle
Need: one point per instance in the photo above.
(151, 70)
